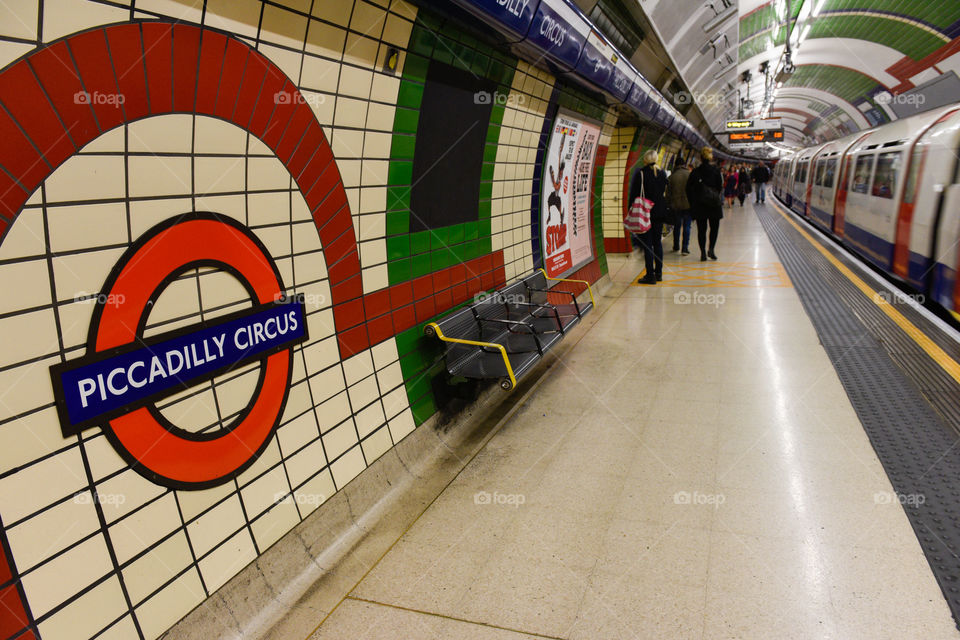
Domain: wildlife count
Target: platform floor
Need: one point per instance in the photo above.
(691, 468)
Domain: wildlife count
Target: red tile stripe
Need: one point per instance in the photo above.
(382, 314)
(140, 69)
(907, 67)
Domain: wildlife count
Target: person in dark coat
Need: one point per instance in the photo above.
(761, 176)
(677, 197)
(744, 184)
(705, 193)
(654, 186)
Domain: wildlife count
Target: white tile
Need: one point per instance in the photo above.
(260, 494)
(160, 612)
(272, 525)
(40, 484)
(86, 615)
(348, 467)
(87, 178)
(162, 134)
(305, 463)
(314, 492)
(377, 444)
(51, 531)
(216, 525)
(227, 560)
(159, 175)
(125, 492)
(67, 574)
(159, 565)
(63, 17)
(139, 531)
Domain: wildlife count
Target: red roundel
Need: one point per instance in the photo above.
(167, 455)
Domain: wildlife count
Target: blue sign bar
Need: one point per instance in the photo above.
(595, 65)
(512, 16)
(558, 31)
(637, 97)
(104, 385)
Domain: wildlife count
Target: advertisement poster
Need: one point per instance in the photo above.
(567, 181)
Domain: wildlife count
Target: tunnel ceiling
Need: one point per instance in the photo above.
(858, 63)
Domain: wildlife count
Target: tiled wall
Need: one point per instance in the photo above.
(613, 181)
(93, 548)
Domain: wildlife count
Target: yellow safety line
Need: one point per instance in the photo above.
(503, 351)
(589, 290)
(933, 350)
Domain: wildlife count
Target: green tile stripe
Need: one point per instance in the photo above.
(846, 84)
(908, 39)
(411, 255)
(601, 252)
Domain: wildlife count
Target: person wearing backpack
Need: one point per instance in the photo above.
(651, 180)
(705, 193)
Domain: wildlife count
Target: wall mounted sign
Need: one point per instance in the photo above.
(121, 377)
(567, 183)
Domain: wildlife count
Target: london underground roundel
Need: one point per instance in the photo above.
(117, 384)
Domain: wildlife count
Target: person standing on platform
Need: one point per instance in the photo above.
(730, 185)
(677, 194)
(761, 176)
(744, 184)
(705, 193)
(653, 181)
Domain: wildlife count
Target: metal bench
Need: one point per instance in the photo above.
(506, 332)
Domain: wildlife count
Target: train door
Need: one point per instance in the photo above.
(843, 186)
(910, 265)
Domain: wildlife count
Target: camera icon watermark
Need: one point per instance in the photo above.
(308, 299)
(496, 498)
(697, 498)
(103, 299)
(912, 99)
(295, 97)
(699, 298)
(97, 97)
(899, 298)
(894, 497)
(90, 497)
(682, 98)
(497, 297)
(309, 499)
(499, 99)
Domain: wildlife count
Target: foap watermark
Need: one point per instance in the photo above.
(104, 299)
(97, 97)
(295, 97)
(697, 498)
(308, 499)
(89, 497)
(899, 297)
(891, 497)
(699, 298)
(912, 99)
(497, 297)
(509, 499)
(681, 98)
(497, 98)
(308, 299)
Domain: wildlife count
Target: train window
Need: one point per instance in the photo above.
(829, 170)
(861, 175)
(802, 171)
(885, 180)
(818, 180)
(910, 191)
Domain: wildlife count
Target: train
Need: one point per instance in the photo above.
(891, 195)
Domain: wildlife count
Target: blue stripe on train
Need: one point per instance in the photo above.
(873, 248)
(944, 279)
